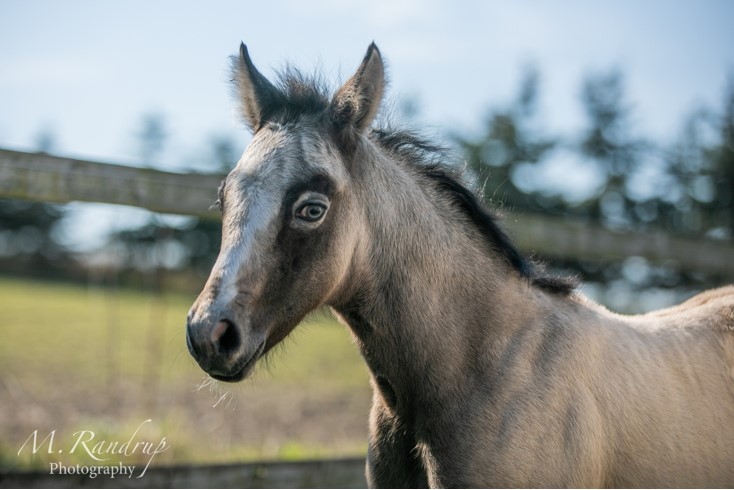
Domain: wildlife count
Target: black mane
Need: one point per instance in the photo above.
(309, 95)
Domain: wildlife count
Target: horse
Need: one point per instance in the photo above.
(486, 371)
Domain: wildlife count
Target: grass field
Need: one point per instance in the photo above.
(75, 358)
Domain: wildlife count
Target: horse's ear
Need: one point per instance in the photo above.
(257, 96)
(358, 101)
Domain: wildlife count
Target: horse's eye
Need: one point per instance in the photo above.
(311, 211)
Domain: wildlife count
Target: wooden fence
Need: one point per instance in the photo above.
(337, 473)
(42, 177)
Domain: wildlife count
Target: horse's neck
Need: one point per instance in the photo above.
(429, 302)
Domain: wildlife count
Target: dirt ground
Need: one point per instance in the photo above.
(214, 423)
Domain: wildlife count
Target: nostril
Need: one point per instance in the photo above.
(225, 337)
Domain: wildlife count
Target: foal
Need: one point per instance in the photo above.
(485, 373)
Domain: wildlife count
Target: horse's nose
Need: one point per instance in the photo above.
(214, 345)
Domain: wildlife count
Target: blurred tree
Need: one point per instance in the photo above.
(142, 247)
(45, 140)
(152, 138)
(28, 243)
(509, 143)
(721, 175)
(686, 189)
(193, 243)
(701, 168)
(608, 143)
(224, 153)
(27, 231)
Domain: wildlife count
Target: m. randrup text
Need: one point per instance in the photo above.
(86, 442)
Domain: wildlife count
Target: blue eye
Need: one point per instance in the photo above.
(311, 212)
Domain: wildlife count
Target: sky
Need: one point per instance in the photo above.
(88, 72)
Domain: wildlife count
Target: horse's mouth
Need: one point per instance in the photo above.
(243, 368)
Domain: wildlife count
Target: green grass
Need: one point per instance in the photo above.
(90, 357)
(82, 331)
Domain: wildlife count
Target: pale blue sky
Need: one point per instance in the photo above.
(89, 70)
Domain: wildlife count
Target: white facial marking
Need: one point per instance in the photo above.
(253, 196)
(252, 202)
(239, 250)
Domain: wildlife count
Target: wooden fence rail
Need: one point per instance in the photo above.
(42, 177)
(335, 473)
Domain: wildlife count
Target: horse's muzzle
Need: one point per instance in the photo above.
(222, 349)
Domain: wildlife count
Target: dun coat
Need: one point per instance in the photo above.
(485, 371)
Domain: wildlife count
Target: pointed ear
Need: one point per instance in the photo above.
(258, 97)
(358, 101)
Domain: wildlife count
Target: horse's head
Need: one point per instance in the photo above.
(290, 228)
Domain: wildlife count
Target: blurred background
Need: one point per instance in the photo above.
(615, 117)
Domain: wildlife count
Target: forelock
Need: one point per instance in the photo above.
(303, 94)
